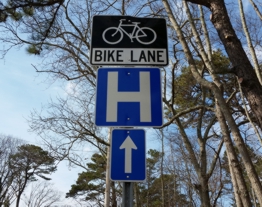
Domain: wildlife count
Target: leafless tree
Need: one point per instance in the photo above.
(216, 86)
(42, 194)
(8, 146)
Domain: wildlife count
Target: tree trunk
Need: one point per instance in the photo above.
(240, 188)
(250, 169)
(204, 191)
(256, 9)
(161, 169)
(136, 193)
(203, 178)
(114, 198)
(235, 186)
(249, 42)
(20, 193)
(242, 66)
(107, 189)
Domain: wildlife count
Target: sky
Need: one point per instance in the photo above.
(21, 91)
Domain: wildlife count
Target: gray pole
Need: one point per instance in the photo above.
(127, 198)
(107, 189)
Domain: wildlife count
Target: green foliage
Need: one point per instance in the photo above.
(42, 12)
(20, 165)
(15, 15)
(33, 49)
(17, 9)
(7, 203)
(28, 11)
(220, 61)
(90, 184)
(154, 158)
(172, 195)
(150, 192)
(222, 67)
(12, 11)
(3, 17)
(28, 161)
(32, 160)
(188, 92)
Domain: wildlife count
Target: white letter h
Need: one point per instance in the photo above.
(142, 96)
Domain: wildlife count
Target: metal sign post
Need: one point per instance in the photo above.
(127, 198)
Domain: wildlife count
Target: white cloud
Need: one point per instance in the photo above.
(71, 88)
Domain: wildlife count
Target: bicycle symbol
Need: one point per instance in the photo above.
(144, 35)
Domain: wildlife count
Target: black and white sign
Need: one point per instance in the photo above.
(126, 40)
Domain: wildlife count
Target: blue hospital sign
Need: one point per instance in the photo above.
(129, 97)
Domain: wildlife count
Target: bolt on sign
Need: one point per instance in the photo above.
(126, 40)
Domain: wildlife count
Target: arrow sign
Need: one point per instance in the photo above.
(128, 155)
(128, 145)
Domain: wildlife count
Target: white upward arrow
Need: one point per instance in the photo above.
(128, 145)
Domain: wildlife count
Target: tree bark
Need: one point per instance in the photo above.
(20, 191)
(235, 186)
(249, 42)
(161, 169)
(250, 169)
(243, 69)
(114, 197)
(136, 193)
(238, 181)
(107, 189)
(204, 191)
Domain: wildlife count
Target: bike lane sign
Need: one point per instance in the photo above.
(126, 40)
